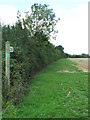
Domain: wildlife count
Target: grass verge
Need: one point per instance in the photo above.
(54, 95)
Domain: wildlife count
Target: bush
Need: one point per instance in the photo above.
(9, 111)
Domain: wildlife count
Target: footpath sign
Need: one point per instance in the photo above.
(11, 49)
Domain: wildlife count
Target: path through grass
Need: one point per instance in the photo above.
(56, 95)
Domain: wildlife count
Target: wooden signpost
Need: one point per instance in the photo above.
(7, 55)
(8, 62)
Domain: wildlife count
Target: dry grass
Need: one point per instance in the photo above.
(66, 71)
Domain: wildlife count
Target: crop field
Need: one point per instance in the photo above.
(82, 63)
(58, 91)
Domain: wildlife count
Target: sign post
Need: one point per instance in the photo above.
(8, 62)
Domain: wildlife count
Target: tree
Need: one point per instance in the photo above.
(42, 19)
(61, 51)
(60, 48)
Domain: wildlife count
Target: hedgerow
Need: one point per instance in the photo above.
(32, 53)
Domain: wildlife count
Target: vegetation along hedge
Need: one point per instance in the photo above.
(30, 38)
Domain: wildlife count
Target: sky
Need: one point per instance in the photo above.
(72, 27)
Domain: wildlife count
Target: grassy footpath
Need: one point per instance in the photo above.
(54, 95)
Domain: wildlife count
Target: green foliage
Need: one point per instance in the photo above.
(9, 110)
(47, 97)
(61, 50)
(83, 55)
(41, 19)
(32, 50)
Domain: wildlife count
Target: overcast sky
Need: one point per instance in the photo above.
(72, 27)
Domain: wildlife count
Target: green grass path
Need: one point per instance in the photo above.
(55, 95)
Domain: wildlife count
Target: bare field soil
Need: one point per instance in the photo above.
(82, 63)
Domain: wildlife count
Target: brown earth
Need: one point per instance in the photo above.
(82, 63)
(66, 71)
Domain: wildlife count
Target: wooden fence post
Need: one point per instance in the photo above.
(8, 62)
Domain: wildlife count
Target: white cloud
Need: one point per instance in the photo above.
(8, 14)
(73, 29)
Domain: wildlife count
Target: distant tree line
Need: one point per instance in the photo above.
(83, 55)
